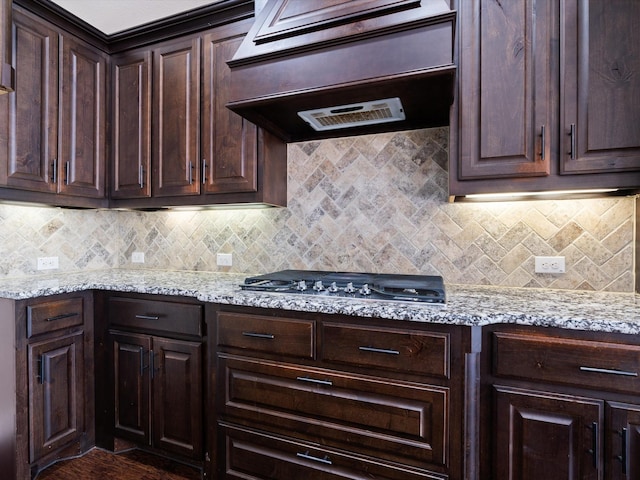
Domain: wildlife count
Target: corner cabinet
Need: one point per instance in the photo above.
(563, 404)
(175, 142)
(545, 96)
(324, 396)
(53, 139)
(51, 412)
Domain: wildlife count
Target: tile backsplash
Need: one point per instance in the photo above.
(370, 203)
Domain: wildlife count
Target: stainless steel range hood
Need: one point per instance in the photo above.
(356, 66)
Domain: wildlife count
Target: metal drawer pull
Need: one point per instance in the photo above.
(572, 134)
(148, 317)
(623, 450)
(315, 380)
(608, 371)
(62, 316)
(594, 444)
(379, 350)
(268, 336)
(326, 460)
(542, 142)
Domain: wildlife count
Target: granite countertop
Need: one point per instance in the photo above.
(466, 305)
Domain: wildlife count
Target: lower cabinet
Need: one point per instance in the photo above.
(566, 405)
(322, 396)
(54, 381)
(156, 356)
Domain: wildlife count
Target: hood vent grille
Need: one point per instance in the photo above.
(355, 114)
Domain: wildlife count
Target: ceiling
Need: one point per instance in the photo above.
(113, 16)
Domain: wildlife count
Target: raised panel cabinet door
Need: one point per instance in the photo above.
(131, 125)
(176, 115)
(131, 363)
(29, 130)
(507, 63)
(56, 402)
(177, 397)
(623, 442)
(547, 435)
(600, 116)
(82, 140)
(229, 142)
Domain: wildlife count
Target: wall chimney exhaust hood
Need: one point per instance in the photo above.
(330, 68)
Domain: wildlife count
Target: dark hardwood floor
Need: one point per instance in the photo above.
(100, 464)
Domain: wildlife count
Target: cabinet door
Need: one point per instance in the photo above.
(507, 63)
(56, 402)
(29, 130)
(600, 123)
(229, 142)
(177, 397)
(83, 120)
(176, 126)
(545, 435)
(131, 359)
(131, 125)
(623, 442)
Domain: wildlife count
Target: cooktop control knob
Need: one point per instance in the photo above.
(365, 290)
(302, 286)
(333, 288)
(317, 286)
(349, 288)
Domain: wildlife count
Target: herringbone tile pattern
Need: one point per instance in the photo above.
(370, 203)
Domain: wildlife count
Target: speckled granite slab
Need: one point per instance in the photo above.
(610, 312)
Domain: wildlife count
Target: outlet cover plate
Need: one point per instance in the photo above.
(137, 257)
(224, 259)
(47, 263)
(554, 265)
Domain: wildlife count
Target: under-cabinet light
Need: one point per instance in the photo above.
(532, 195)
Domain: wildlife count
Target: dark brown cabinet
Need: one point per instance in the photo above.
(54, 373)
(544, 97)
(131, 158)
(565, 405)
(6, 71)
(176, 118)
(312, 395)
(53, 139)
(201, 153)
(157, 366)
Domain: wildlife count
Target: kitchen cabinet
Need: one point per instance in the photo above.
(314, 395)
(54, 391)
(54, 134)
(202, 153)
(6, 70)
(545, 97)
(157, 369)
(565, 405)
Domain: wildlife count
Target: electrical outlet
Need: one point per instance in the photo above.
(137, 257)
(47, 263)
(224, 259)
(549, 265)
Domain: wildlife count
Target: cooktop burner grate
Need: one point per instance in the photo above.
(407, 288)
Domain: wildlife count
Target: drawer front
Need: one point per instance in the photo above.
(397, 421)
(257, 455)
(54, 315)
(280, 336)
(155, 315)
(411, 351)
(581, 363)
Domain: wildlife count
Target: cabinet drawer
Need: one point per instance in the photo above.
(281, 336)
(411, 351)
(257, 455)
(399, 421)
(582, 363)
(155, 315)
(54, 315)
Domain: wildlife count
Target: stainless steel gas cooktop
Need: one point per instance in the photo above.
(377, 286)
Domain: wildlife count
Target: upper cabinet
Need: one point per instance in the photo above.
(175, 142)
(53, 134)
(6, 70)
(547, 96)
